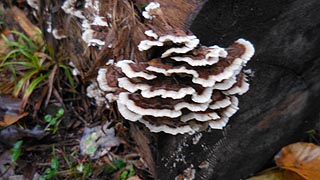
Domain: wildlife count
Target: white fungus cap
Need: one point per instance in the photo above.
(103, 82)
(126, 113)
(153, 5)
(169, 72)
(129, 72)
(146, 44)
(124, 99)
(204, 97)
(94, 92)
(218, 124)
(69, 8)
(99, 21)
(226, 83)
(249, 49)
(152, 34)
(227, 73)
(232, 108)
(220, 104)
(211, 57)
(180, 50)
(148, 93)
(238, 89)
(57, 35)
(216, 51)
(178, 39)
(192, 62)
(192, 106)
(111, 97)
(202, 117)
(34, 4)
(164, 128)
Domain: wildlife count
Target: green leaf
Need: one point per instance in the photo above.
(21, 63)
(48, 118)
(311, 132)
(60, 113)
(87, 170)
(124, 175)
(54, 163)
(69, 76)
(109, 169)
(23, 37)
(16, 151)
(131, 171)
(50, 173)
(91, 150)
(118, 163)
(32, 86)
(80, 167)
(11, 54)
(23, 81)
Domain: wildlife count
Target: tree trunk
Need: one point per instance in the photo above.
(283, 100)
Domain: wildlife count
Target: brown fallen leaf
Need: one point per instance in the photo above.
(11, 119)
(276, 174)
(10, 110)
(134, 178)
(302, 158)
(298, 161)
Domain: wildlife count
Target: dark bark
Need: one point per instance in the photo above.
(283, 100)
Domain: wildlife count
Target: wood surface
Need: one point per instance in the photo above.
(284, 97)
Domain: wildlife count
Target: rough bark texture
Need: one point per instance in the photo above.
(283, 100)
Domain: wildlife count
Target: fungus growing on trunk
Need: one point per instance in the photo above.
(94, 26)
(181, 86)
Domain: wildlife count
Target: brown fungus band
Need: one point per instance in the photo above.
(183, 87)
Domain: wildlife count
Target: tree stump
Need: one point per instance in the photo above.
(283, 100)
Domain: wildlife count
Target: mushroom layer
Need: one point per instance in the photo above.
(183, 88)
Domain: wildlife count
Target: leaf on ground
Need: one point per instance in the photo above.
(276, 174)
(298, 161)
(97, 141)
(10, 110)
(134, 178)
(11, 119)
(11, 134)
(302, 158)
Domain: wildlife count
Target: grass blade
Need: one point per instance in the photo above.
(22, 82)
(69, 76)
(33, 86)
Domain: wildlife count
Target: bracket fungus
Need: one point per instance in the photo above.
(94, 26)
(181, 86)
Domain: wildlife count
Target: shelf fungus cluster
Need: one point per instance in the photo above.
(94, 26)
(186, 87)
(182, 86)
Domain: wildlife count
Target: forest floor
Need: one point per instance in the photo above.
(49, 128)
